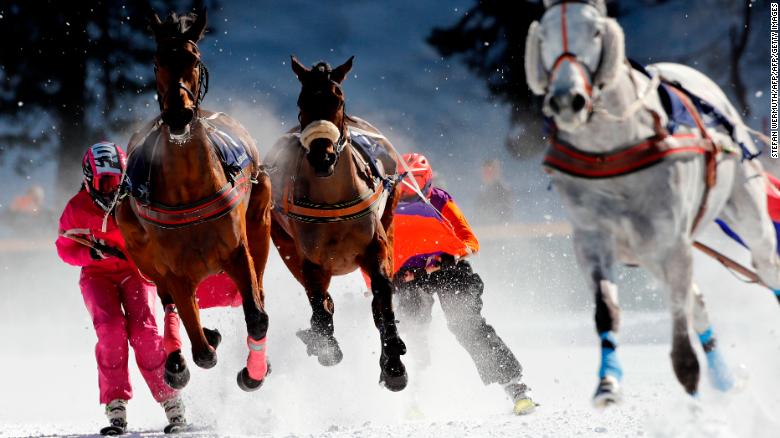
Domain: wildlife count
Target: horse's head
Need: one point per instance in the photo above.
(322, 116)
(182, 79)
(570, 56)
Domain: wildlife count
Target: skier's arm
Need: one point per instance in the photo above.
(70, 251)
(460, 225)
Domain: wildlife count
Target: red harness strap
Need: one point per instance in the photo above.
(566, 158)
(212, 207)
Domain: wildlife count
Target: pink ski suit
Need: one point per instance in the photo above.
(109, 286)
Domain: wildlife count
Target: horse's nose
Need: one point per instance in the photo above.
(177, 119)
(572, 99)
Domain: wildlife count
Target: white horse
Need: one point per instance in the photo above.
(635, 192)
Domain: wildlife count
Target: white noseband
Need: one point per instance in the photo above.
(320, 129)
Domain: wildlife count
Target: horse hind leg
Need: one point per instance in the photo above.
(183, 292)
(319, 339)
(595, 257)
(718, 371)
(746, 213)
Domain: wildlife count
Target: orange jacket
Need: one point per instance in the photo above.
(424, 231)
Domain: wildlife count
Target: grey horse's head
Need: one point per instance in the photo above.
(570, 55)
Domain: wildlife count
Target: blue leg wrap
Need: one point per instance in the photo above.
(610, 366)
(719, 373)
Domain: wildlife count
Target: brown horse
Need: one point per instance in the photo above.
(334, 213)
(191, 215)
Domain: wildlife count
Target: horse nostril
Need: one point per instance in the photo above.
(554, 105)
(578, 103)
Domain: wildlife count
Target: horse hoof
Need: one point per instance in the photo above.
(177, 375)
(325, 347)
(685, 365)
(206, 360)
(249, 384)
(213, 337)
(329, 353)
(607, 393)
(393, 374)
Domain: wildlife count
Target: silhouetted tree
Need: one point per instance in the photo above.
(79, 65)
(490, 39)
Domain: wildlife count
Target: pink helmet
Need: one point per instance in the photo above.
(103, 165)
(421, 172)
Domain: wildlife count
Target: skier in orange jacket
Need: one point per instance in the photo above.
(431, 238)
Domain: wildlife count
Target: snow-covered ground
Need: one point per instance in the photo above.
(48, 381)
(534, 298)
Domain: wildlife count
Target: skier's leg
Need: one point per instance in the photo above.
(460, 293)
(102, 299)
(414, 306)
(138, 299)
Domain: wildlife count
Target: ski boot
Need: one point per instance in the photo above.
(116, 411)
(521, 397)
(174, 410)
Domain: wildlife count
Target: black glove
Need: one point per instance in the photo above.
(100, 251)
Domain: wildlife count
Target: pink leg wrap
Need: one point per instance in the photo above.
(171, 336)
(256, 363)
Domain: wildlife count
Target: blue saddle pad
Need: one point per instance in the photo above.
(372, 151)
(233, 153)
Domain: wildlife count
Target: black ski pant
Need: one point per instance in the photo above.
(460, 295)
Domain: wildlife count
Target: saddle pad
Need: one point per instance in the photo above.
(773, 207)
(679, 115)
(371, 150)
(233, 153)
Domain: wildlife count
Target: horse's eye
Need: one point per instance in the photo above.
(597, 33)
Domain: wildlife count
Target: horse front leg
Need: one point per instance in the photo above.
(241, 270)
(595, 255)
(319, 339)
(675, 268)
(378, 265)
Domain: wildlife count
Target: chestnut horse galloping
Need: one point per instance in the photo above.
(334, 212)
(193, 211)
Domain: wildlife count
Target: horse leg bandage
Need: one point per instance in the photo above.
(320, 129)
(256, 363)
(610, 366)
(719, 372)
(171, 335)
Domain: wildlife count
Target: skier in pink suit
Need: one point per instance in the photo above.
(120, 302)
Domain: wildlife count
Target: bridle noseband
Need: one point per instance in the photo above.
(343, 139)
(203, 79)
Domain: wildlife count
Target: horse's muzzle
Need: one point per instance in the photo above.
(324, 164)
(178, 119)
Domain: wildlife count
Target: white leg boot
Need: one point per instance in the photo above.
(174, 410)
(116, 411)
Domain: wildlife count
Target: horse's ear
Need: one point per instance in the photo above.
(154, 22)
(535, 74)
(198, 28)
(340, 73)
(613, 52)
(299, 69)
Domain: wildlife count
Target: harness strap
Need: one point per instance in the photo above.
(206, 209)
(566, 158)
